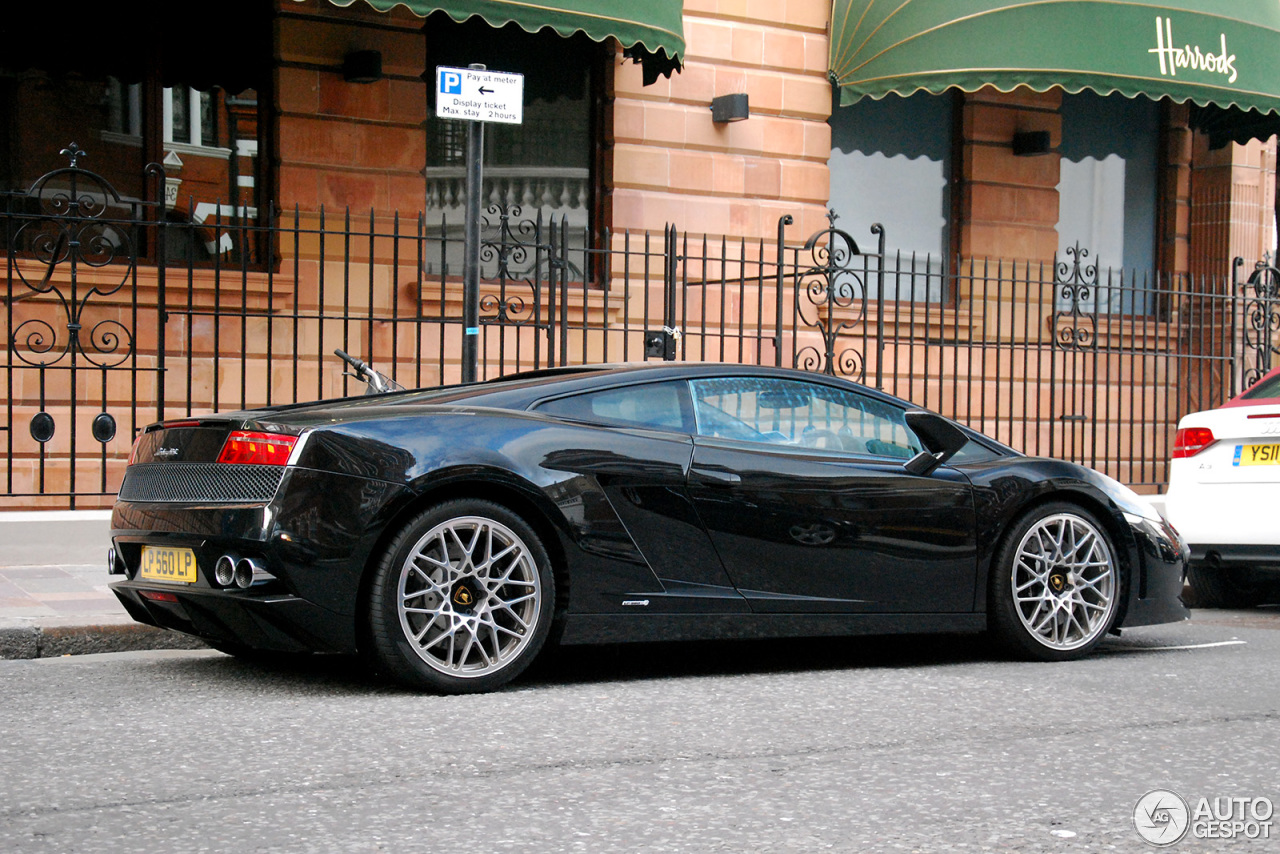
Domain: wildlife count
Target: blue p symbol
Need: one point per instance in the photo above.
(450, 83)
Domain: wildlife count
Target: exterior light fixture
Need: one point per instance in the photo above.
(362, 66)
(730, 108)
(1029, 143)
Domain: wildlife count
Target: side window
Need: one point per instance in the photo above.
(663, 406)
(973, 452)
(801, 414)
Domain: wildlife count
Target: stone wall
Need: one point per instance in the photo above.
(670, 163)
(340, 144)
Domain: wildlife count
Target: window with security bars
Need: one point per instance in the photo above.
(128, 95)
(543, 166)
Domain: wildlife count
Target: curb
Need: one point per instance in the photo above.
(56, 641)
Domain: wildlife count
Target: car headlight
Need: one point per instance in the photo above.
(1129, 502)
(1167, 542)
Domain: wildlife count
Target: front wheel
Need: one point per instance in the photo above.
(462, 599)
(1055, 584)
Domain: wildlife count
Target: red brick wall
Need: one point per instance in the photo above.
(350, 144)
(1007, 206)
(671, 163)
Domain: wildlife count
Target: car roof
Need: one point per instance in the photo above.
(1265, 391)
(519, 391)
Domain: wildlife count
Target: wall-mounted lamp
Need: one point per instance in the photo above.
(1029, 143)
(730, 108)
(362, 66)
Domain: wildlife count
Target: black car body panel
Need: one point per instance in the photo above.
(654, 533)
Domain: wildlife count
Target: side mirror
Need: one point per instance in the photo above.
(941, 439)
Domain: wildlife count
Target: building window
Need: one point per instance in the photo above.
(890, 163)
(543, 166)
(190, 115)
(134, 88)
(41, 112)
(209, 146)
(1107, 189)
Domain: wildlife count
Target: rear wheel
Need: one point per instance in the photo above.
(1055, 584)
(1217, 587)
(462, 599)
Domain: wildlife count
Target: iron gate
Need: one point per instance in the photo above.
(74, 364)
(118, 312)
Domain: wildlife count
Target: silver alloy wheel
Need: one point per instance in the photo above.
(1064, 582)
(469, 596)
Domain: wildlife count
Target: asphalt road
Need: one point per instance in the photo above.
(923, 744)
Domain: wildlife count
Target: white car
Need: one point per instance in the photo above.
(1224, 497)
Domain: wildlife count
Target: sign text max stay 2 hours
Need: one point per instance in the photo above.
(477, 95)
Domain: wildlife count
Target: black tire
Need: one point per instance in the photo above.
(1218, 587)
(462, 599)
(1056, 584)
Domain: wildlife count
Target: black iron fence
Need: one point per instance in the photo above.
(117, 313)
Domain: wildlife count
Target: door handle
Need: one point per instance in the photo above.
(719, 477)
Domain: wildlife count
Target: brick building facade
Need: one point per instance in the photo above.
(610, 144)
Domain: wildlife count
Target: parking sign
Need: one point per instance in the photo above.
(479, 95)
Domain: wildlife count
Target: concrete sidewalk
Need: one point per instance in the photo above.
(54, 598)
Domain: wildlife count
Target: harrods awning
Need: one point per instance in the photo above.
(651, 32)
(1220, 56)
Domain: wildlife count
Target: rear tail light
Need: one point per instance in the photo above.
(1191, 441)
(259, 449)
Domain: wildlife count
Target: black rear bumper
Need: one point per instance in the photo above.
(314, 539)
(279, 622)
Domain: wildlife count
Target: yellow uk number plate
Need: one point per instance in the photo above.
(168, 564)
(1256, 455)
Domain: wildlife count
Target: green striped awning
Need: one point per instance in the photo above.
(652, 31)
(1219, 55)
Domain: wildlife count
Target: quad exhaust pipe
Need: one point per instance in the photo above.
(242, 572)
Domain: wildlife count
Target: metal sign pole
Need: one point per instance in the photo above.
(476, 95)
(471, 248)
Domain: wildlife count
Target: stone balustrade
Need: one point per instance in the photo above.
(560, 189)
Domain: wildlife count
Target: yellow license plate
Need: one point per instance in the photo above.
(161, 563)
(1256, 455)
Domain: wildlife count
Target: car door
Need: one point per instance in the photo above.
(642, 476)
(801, 488)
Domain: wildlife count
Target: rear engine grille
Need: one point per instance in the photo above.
(201, 482)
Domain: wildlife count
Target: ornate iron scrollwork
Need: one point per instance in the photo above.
(1075, 285)
(511, 254)
(71, 230)
(1261, 320)
(831, 297)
